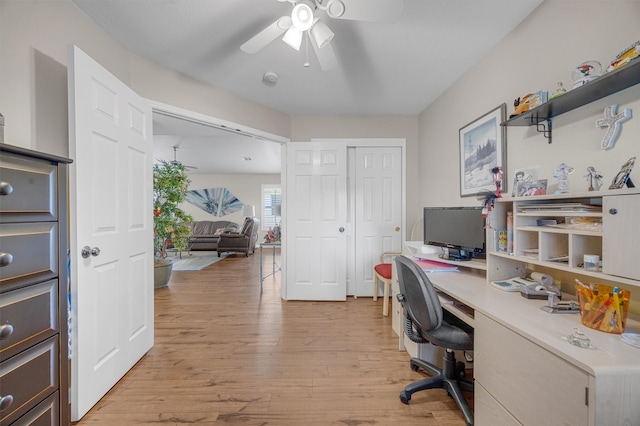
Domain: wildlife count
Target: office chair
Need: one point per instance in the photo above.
(382, 273)
(425, 321)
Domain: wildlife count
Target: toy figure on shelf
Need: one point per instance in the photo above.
(560, 90)
(594, 178)
(561, 173)
(497, 179)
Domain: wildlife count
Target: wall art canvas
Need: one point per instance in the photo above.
(217, 202)
(482, 148)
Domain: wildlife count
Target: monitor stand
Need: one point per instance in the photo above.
(456, 254)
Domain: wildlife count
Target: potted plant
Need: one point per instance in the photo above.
(171, 225)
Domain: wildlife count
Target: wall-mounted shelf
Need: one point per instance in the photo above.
(607, 84)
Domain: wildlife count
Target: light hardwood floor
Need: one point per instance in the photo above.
(224, 354)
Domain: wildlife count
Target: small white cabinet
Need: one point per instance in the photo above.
(621, 236)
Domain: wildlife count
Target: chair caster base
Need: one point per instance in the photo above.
(405, 397)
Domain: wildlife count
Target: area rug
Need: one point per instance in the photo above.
(196, 261)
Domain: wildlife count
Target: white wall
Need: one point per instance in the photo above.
(34, 38)
(247, 188)
(544, 49)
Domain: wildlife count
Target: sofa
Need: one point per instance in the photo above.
(243, 241)
(205, 233)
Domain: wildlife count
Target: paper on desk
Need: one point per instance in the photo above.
(632, 339)
(434, 266)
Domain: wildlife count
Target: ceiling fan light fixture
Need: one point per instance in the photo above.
(302, 16)
(322, 34)
(293, 37)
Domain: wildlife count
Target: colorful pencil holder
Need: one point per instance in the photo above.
(603, 307)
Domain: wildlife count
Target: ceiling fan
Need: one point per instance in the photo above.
(176, 162)
(305, 19)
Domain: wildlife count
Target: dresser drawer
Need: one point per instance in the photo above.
(28, 253)
(28, 378)
(27, 316)
(47, 413)
(28, 190)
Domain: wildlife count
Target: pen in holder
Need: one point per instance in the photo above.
(603, 307)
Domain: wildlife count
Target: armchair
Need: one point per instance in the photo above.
(426, 321)
(243, 241)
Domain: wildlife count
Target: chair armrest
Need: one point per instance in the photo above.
(233, 235)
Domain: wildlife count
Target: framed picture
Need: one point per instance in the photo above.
(482, 149)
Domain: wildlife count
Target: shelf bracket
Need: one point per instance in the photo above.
(541, 127)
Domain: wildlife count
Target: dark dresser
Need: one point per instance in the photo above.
(34, 361)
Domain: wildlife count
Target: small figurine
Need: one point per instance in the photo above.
(497, 179)
(560, 90)
(594, 178)
(561, 173)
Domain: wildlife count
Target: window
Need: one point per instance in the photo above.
(271, 202)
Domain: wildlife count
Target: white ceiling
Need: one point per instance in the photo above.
(396, 68)
(212, 150)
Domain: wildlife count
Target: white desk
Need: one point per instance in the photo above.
(525, 370)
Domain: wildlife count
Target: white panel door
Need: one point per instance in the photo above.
(111, 194)
(315, 234)
(378, 210)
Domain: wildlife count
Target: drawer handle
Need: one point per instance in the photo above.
(5, 259)
(5, 188)
(5, 402)
(6, 330)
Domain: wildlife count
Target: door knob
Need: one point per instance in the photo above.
(613, 211)
(341, 229)
(90, 251)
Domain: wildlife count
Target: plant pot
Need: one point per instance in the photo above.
(162, 273)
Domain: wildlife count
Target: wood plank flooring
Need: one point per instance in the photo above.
(224, 354)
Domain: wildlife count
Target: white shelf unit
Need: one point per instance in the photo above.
(563, 247)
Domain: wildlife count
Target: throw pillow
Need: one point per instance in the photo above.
(218, 232)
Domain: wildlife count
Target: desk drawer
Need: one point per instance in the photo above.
(28, 190)
(27, 316)
(29, 253)
(28, 378)
(534, 385)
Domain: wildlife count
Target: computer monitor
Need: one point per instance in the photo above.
(460, 231)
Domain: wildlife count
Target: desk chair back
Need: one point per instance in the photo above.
(421, 300)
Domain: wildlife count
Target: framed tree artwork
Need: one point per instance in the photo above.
(482, 150)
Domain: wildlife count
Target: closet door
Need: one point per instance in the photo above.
(377, 210)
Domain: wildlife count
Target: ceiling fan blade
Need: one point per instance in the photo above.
(326, 56)
(365, 10)
(176, 162)
(266, 36)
